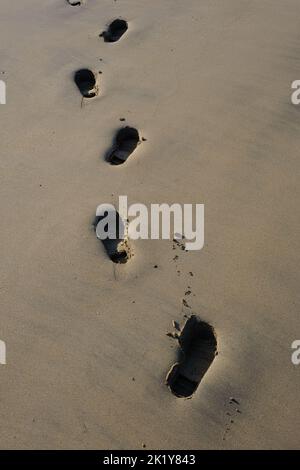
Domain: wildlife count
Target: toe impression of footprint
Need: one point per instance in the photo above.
(126, 141)
(87, 83)
(198, 348)
(115, 31)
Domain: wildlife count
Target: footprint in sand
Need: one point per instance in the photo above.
(87, 83)
(126, 142)
(75, 3)
(198, 348)
(118, 248)
(115, 31)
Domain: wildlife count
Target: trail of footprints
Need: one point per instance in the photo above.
(197, 343)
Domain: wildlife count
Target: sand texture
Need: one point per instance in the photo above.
(207, 84)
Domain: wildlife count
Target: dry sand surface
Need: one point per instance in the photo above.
(207, 83)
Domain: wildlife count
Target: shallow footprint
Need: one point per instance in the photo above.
(75, 3)
(115, 31)
(198, 345)
(126, 142)
(86, 82)
(117, 249)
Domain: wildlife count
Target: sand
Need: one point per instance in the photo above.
(207, 83)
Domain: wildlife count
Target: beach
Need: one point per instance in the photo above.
(208, 86)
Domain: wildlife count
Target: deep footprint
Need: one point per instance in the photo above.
(117, 249)
(198, 345)
(86, 82)
(126, 142)
(115, 31)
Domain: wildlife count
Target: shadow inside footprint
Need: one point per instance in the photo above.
(75, 3)
(86, 82)
(126, 142)
(116, 248)
(115, 31)
(198, 345)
